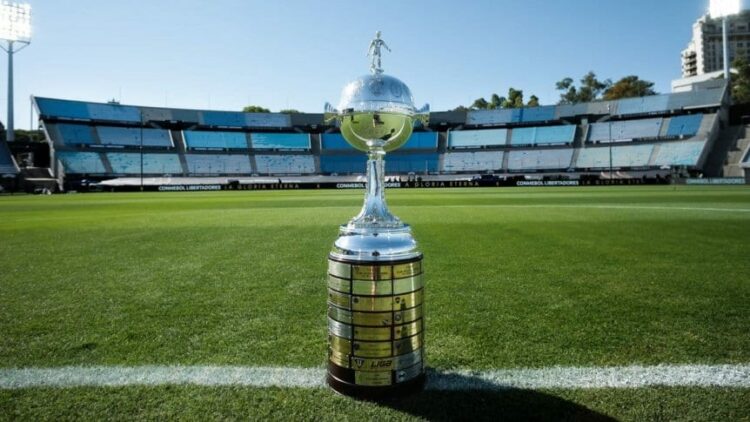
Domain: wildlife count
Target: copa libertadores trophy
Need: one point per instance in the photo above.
(375, 280)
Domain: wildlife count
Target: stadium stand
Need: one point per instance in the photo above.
(625, 130)
(214, 164)
(544, 135)
(71, 134)
(285, 164)
(342, 164)
(7, 163)
(130, 163)
(411, 163)
(281, 141)
(214, 140)
(683, 153)
(134, 136)
(540, 159)
(673, 130)
(682, 126)
(479, 161)
(622, 156)
(77, 162)
(477, 138)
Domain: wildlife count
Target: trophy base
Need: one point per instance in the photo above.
(375, 327)
(360, 392)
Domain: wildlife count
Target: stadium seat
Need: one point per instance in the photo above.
(300, 141)
(473, 161)
(477, 138)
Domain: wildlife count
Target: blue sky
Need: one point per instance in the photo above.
(225, 54)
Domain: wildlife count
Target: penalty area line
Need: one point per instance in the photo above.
(733, 376)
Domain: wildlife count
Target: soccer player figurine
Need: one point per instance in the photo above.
(374, 53)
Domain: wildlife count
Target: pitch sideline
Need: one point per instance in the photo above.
(732, 376)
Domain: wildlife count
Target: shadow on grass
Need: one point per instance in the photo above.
(459, 397)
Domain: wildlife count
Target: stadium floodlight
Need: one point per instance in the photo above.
(722, 9)
(15, 31)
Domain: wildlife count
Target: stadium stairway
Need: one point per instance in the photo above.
(733, 162)
(714, 166)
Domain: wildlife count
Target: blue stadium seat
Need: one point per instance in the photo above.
(343, 164)
(643, 105)
(7, 165)
(109, 135)
(407, 163)
(335, 142)
(223, 119)
(684, 126)
(473, 161)
(49, 107)
(205, 164)
(625, 130)
(622, 156)
(114, 112)
(280, 141)
(537, 114)
(683, 153)
(285, 164)
(421, 140)
(540, 159)
(543, 135)
(477, 138)
(130, 163)
(76, 162)
(75, 134)
(215, 140)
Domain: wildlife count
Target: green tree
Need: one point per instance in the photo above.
(289, 111)
(515, 98)
(255, 109)
(589, 89)
(496, 101)
(627, 87)
(533, 101)
(741, 81)
(480, 104)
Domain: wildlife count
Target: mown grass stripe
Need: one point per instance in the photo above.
(735, 376)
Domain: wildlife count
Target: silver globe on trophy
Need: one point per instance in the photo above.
(375, 278)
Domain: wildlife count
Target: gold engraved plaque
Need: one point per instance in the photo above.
(407, 285)
(407, 330)
(338, 284)
(407, 270)
(407, 301)
(373, 378)
(372, 334)
(372, 288)
(372, 304)
(409, 315)
(339, 269)
(339, 299)
(371, 272)
(373, 349)
(340, 359)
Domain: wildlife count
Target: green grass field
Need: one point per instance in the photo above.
(516, 278)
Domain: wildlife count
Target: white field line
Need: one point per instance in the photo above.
(736, 376)
(604, 207)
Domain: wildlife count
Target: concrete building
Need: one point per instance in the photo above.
(704, 53)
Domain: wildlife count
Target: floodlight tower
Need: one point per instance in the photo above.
(15, 34)
(723, 9)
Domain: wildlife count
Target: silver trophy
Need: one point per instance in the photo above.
(375, 281)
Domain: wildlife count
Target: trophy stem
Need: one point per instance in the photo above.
(375, 213)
